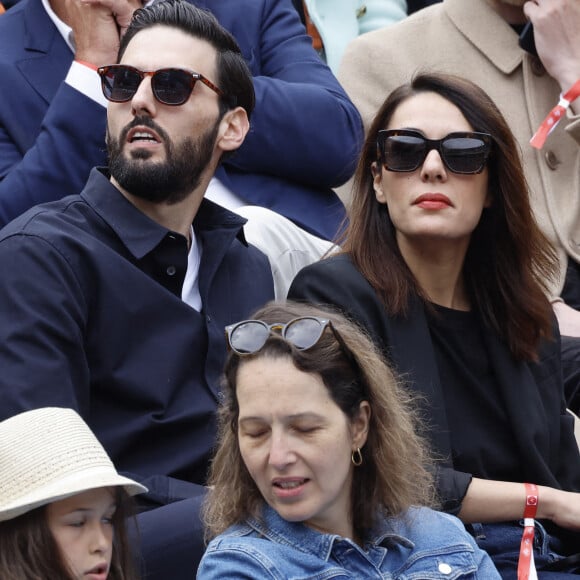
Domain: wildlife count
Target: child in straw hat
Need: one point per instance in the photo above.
(62, 502)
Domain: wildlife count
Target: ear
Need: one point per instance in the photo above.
(359, 427)
(234, 127)
(378, 183)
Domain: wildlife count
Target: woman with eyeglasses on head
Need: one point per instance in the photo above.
(442, 263)
(318, 462)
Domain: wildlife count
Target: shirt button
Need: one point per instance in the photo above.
(444, 568)
(552, 160)
(171, 270)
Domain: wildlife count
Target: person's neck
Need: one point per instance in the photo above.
(438, 269)
(511, 14)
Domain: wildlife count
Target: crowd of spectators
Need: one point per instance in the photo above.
(167, 168)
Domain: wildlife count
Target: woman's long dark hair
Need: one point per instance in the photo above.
(28, 550)
(509, 261)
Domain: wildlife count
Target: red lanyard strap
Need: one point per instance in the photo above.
(526, 559)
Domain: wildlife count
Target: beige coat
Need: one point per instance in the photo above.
(467, 38)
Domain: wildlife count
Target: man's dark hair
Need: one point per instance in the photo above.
(233, 75)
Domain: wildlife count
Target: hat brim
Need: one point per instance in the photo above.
(64, 488)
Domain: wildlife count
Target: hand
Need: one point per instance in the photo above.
(568, 319)
(562, 507)
(122, 10)
(98, 26)
(557, 34)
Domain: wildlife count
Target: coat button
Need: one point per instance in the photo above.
(171, 270)
(444, 568)
(552, 160)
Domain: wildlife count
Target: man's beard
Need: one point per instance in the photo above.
(170, 181)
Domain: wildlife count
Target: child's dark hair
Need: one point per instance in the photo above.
(28, 550)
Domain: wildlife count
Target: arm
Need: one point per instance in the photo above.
(45, 361)
(497, 501)
(557, 35)
(42, 325)
(47, 151)
(58, 160)
(304, 127)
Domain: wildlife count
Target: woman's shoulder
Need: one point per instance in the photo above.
(245, 551)
(421, 524)
(237, 548)
(424, 543)
(339, 262)
(337, 272)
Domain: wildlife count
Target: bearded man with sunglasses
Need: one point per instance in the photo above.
(114, 301)
(52, 119)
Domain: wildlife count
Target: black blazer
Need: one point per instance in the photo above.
(533, 392)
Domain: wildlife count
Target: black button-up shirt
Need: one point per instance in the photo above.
(91, 317)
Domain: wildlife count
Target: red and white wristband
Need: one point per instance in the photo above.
(526, 565)
(554, 116)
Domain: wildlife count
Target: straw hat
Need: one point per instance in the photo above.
(50, 454)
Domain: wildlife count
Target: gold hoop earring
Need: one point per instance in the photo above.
(356, 457)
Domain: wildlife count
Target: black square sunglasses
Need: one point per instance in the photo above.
(170, 86)
(404, 150)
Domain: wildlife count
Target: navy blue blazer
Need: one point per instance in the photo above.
(51, 135)
(533, 392)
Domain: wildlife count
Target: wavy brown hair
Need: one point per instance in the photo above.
(28, 550)
(396, 468)
(509, 262)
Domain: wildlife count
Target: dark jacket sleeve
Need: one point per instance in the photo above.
(304, 128)
(39, 165)
(42, 344)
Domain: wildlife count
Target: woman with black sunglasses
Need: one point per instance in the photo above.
(318, 462)
(443, 264)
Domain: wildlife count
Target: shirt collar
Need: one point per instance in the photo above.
(139, 233)
(488, 31)
(303, 538)
(64, 29)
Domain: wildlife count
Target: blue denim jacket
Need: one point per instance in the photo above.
(423, 545)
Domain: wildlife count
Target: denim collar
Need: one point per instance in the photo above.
(305, 539)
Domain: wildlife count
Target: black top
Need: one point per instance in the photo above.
(532, 393)
(482, 440)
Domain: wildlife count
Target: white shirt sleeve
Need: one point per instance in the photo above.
(86, 80)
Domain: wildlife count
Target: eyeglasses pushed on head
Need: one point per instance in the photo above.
(403, 150)
(170, 86)
(249, 336)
